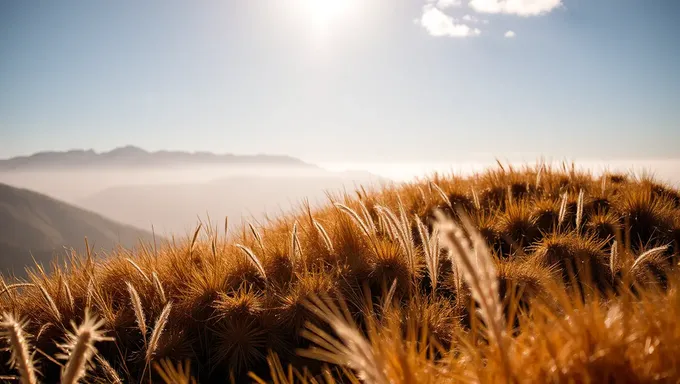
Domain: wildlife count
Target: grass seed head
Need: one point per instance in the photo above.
(21, 359)
(79, 348)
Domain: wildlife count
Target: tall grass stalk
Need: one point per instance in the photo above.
(254, 260)
(20, 357)
(78, 349)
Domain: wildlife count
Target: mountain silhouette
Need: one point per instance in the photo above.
(135, 156)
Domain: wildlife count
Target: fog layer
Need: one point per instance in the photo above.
(173, 199)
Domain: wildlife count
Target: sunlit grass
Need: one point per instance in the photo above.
(537, 274)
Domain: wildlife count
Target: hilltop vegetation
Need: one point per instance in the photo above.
(35, 226)
(531, 275)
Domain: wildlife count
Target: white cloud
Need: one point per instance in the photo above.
(443, 4)
(515, 7)
(473, 19)
(437, 23)
(510, 34)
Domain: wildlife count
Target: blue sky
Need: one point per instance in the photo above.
(352, 80)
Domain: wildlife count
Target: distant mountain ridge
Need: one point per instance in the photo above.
(33, 225)
(135, 156)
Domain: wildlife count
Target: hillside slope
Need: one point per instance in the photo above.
(37, 225)
(531, 275)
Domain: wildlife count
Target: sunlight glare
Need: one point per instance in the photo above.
(325, 13)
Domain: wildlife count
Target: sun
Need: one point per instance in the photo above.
(324, 14)
(327, 10)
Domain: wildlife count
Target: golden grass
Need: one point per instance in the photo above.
(512, 275)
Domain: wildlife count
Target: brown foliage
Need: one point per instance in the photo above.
(230, 310)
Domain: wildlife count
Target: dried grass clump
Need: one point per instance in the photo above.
(578, 258)
(389, 264)
(237, 305)
(436, 317)
(605, 226)
(290, 310)
(532, 274)
(517, 226)
(522, 281)
(545, 213)
(240, 343)
(648, 218)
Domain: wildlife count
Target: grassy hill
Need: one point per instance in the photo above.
(531, 275)
(32, 224)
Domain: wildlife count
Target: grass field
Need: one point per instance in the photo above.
(513, 275)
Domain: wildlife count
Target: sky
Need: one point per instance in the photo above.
(344, 81)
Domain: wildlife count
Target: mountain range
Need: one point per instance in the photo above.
(135, 156)
(52, 200)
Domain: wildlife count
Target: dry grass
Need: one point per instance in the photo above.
(524, 275)
(21, 359)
